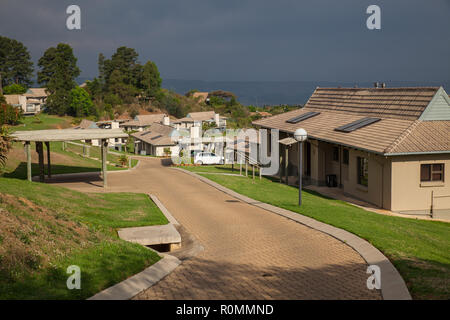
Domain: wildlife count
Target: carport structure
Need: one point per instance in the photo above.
(61, 135)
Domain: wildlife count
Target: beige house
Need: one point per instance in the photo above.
(193, 124)
(156, 140)
(31, 102)
(386, 146)
(196, 119)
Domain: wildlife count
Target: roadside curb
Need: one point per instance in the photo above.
(393, 286)
(132, 286)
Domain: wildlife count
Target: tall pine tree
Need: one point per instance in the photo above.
(16, 66)
(58, 72)
(150, 80)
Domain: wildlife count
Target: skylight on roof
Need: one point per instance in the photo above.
(302, 117)
(158, 136)
(357, 124)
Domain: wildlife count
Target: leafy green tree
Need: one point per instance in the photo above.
(15, 62)
(112, 100)
(216, 101)
(150, 81)
(118, 86)
(172, 104)
(58, 72)
(81, 104)
(14, 89)
(101, 69)
(125, 60)
(94, 88)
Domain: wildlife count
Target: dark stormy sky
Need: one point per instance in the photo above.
(247, 39)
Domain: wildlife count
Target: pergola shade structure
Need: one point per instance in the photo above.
(46, 136)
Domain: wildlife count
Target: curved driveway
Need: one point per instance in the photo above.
(249, 253)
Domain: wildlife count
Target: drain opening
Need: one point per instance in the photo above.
(165, 247)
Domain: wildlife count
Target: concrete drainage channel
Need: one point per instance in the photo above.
(172, 238)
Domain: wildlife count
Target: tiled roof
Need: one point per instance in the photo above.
(37, 92)
(396, 103)
(398, 131)
(145, 120)
(12, 99)
(87, 124)
(202, 116)
(157, 135)
(423, 136)
(185, 119)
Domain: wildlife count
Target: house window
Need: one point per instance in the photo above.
(363, 171)
(336, 154)
(432, 172)
(345, 156)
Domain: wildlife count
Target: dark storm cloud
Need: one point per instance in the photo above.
(248, 39)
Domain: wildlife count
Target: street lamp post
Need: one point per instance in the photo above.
(300, 135)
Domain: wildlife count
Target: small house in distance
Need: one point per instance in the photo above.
(202, 97)
(386, 146)
(196, 119)
(31, 102)
(156, 140)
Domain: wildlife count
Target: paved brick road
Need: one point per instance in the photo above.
(249, 253)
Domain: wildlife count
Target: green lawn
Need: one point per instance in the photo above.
(70, 163)
(44, 229)
(95, 152)
(419, 249)
(228, 168)
(43, 121)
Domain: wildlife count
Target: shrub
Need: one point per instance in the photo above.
(10, 115)
(5, 145)
(14, 89)
(123, 160)
(167, 152)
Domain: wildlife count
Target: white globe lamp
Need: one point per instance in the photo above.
(300, 135)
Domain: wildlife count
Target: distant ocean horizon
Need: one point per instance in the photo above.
(262, 93)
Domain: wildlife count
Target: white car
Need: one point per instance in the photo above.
(207, 158)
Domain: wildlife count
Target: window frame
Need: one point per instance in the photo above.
(432, 172)
(361, 175)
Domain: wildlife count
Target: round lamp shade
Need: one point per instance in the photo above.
(300, 135)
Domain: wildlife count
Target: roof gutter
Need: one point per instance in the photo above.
(416, 153)
(367, 150)
(331, 141)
